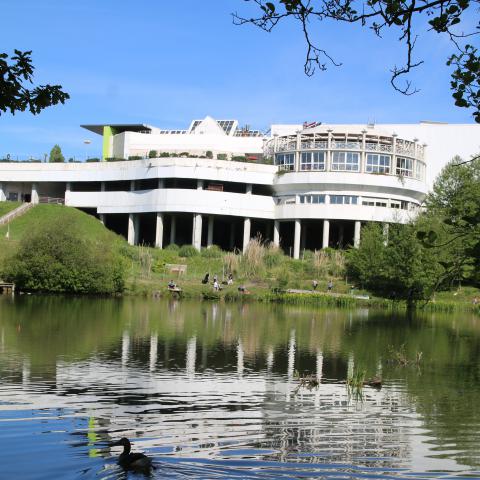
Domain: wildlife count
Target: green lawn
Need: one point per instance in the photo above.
(6, 207)
(20, 226)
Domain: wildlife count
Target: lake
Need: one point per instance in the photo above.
(212, 391)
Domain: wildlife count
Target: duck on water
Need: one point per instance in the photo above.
(132, 461)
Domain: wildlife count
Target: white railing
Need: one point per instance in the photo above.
(347, 145)
(379, 147)
(52, 200)
(8, 217)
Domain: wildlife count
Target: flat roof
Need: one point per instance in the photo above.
(119, 127)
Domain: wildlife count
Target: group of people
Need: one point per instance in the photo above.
(215, 283)
(329, 285)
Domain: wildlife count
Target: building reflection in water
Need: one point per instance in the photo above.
(142, 379)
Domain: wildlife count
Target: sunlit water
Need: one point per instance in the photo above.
(211, 391)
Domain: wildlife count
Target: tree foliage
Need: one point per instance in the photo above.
(56, 155)
(16, 76)
(452, 222)
(400, 268)
(456, 19)
(58, 257)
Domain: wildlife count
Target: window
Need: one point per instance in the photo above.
(345, 161)
(286, 161)
(12, 196)
(419, 170)
(312, 198)
(375, 202)
(343, 199)
(312, 161)
(378, 163)
(405, 167)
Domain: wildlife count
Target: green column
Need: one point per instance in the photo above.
(108, 133)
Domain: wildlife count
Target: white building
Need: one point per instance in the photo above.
(302, 187)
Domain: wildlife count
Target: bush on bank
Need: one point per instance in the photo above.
(58, 256)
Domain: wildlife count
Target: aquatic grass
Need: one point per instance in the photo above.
(355, 382)
(309, 382)
(400, 357)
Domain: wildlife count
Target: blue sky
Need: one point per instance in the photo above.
(166, 62)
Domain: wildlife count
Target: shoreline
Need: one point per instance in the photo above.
(313, 298)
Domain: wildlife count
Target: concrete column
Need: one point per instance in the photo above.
(197, 231)
(248, 190)
(159, 231)
(326, 233)
(132, 185)
(270, 358)
(131, 229)
(210, 231)
(276, 233)
(68, 187)
(153, 352)
(102, 186)
(101, 217)
(161, 183)
(34, 194)
(296, 242)
(173, 229)
(232, 235)
(199, 184)
(3, 197)
(191, 357)
(356, 235)
(125, 347)
(291, 355)
(246, 232)
(240, 359)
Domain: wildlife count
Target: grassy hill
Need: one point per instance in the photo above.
(41, 214)
(6, 207)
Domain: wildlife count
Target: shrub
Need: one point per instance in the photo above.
(58, 257)
(221, 156)
(92, 160)
(273, 256)
(252, 260)
(239, 158)
(172, 247)
(135, 157)
(187, 251)
(184, 154)
(152, 154)
(164, 155)
(231, 261)
(283, 278)
(209, 154)
(213, 252)
(114, 159)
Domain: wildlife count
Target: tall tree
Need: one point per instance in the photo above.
(400, 267)
(455, 204)
(16, 78)
(56, 155)
(458, 20)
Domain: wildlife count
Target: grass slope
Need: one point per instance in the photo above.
(21, 226)
(6, 207)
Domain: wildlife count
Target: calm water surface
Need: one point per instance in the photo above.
(210, 391)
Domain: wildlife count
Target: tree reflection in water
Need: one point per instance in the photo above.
(215, 380)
